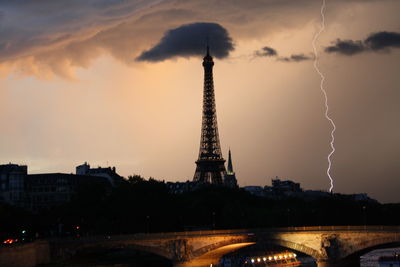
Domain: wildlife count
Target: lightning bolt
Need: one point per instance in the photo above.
(321, 29)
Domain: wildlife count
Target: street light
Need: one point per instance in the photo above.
(148, 223)
(364, 215)
(213, 220)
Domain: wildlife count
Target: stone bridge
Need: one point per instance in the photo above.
(329, 245)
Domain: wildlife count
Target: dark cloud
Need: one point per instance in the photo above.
(346, 47)
(383, 40)
(190, 40)
(266, 52)
(375, 42)
(295, 58)
(271, 52)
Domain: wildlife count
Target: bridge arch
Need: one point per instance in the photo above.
(211, 254)
(291, 245)
(363, 247)
(251, 240)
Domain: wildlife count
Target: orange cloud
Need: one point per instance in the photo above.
(53, 38)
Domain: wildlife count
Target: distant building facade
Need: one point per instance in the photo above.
(53, 189)
(12, 184)
(255, 190)
(279, 189)
(184, 187)
(282, 189)
(38, 192)
(285, 186)
(108, 172)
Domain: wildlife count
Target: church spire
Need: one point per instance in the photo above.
(230, 167)
(230, 176)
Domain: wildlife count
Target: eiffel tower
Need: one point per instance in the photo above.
(210, 164)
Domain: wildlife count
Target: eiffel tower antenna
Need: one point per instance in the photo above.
(207, 45)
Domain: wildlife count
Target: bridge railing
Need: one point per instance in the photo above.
(339, 228)
(282, 229)
(174, 235)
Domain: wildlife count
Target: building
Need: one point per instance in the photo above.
(38, 192)
(255, 190)
(108, 173)
(48, 190)
(210, 166)
(282, 189)
(12, 184)
(285, 186)
(184, 187)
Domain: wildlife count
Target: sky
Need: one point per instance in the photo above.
(119, 83)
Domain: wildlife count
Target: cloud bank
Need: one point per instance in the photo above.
(190, 40)
(267, 51)
(50, 38)
(346, 47)
(295, 58)
(375, 42)
(383, 40)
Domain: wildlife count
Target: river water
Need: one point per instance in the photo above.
(371, 259)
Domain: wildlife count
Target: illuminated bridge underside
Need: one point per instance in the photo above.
(213, 256)
(330, 246)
